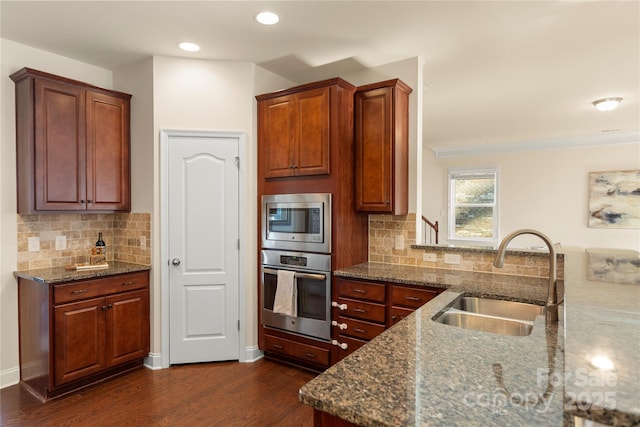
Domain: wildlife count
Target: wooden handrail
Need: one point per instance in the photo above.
(432, 225)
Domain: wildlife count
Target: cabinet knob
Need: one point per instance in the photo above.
(342, 326)
(342, 345)
(175, 261)
(340, 306)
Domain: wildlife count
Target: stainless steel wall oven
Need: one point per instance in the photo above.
(313, 284)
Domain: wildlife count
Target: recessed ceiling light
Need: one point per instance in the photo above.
(188, 46)
(602, 362)
(607, 104)
(267, 18)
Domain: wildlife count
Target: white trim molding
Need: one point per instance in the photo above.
(9, 377)
(153, 361)
(243, 279)
(545, 144)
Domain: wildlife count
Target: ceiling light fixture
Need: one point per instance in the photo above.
(188, 46)
(602, 362)
(607, 104)
(267, 18)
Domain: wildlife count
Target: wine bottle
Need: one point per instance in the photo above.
(101, 247)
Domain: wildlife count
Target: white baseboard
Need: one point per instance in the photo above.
(252, 354)
(9, 377)
(153, 361)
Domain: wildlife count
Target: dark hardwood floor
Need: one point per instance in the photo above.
(263, 393)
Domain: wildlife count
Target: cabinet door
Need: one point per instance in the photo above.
(311, 152)
(382, 147)
(294, 134)
(59, 155)
(127, 331)
(373, 150)
(79, 339)
(107, 142)
(277, 135)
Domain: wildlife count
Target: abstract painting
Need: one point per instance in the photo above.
(614, 199)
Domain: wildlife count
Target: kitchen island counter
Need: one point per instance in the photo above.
(421, 372)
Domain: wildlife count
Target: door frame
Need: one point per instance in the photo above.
(243, 279)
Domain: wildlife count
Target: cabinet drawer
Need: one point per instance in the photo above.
(99, 287)
(360, 328)
(411, 297)
(399, 313)
(352, 345)
(363, 310)
(363, 290)
(298, 350)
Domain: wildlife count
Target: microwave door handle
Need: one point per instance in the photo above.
(299, 275)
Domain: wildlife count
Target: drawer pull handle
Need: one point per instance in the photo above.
(340, 306)
(342, 326)
(362, 331)
(342, 345)
(360, 291)
(80, 291)
(310, 355)
(413, 298)
(131, 282)
(278, 346)
(359, 310)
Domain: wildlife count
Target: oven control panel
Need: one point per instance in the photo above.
(293, 260)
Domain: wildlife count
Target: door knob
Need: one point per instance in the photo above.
(175, 261)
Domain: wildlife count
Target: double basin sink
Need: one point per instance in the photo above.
(491, 315)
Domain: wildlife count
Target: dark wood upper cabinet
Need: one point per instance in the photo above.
(72, 144)
(382, 146)
(294, 132)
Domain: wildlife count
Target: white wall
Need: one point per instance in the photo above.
(220, 96)
(546, 190)
(14, 56)
(167, 93)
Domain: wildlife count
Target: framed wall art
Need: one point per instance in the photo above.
(614, 199)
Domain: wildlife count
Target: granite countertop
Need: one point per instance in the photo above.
(60, 274)
(425, 373)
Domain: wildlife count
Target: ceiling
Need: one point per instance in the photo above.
(496, 73)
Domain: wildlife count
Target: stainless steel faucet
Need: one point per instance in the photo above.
(552, 295)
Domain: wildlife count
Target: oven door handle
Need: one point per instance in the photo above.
(299, 275)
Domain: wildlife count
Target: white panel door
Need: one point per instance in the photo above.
(203, 248)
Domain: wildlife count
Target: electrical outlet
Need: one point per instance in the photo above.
(34, 244)
(399, 242)
(143, 242)
(429, 257)
(452, 258)
(61, 243)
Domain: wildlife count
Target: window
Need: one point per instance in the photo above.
(473, 205)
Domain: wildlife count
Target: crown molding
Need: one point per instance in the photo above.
(537, 145)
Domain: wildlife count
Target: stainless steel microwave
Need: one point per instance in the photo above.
(297, 222)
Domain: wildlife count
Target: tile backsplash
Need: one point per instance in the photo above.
(127, 236)
(385, 229)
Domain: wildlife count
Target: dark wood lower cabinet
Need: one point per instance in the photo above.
(366, 308)
(307, 353)
(78, 333)
(322, 419)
